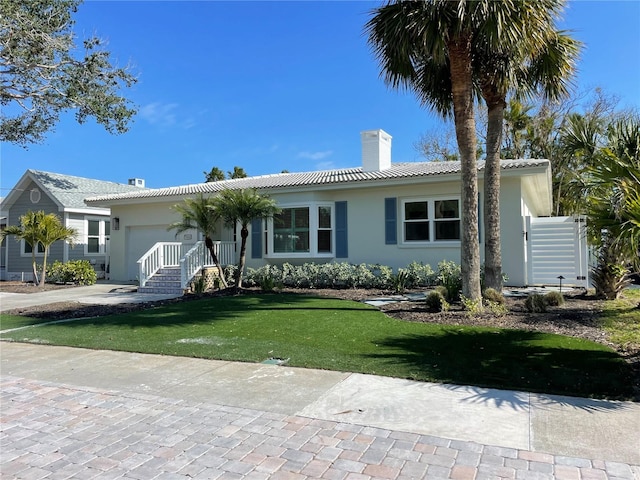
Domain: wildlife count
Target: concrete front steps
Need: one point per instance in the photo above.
(165, 281)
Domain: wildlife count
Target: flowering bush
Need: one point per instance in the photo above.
(80, 272)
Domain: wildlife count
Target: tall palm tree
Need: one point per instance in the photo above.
(242, 207)
(199, 213)
(426, 47)
(39, 228)
(429, 48)
(532, 64)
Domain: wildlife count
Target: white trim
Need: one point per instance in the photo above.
(431, 219)
(313, 208)
(101, 236)
(88, 211)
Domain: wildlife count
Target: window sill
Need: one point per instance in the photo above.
(438, 244)
(280, 256)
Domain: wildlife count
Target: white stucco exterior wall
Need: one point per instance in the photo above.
(366, 227)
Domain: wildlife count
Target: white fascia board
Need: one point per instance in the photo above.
(88, 211)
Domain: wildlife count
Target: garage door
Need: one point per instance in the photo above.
(140, 239)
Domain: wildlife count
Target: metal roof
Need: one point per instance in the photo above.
(317, 178)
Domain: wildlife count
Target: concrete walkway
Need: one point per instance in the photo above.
(101, 293)
(74, 413)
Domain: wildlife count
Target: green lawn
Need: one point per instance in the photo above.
(621, 318)
(347, 336)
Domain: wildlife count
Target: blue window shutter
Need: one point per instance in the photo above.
(256, 238)
(342, 246)
(390, 221)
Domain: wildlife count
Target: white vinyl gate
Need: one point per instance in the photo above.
(557, 246)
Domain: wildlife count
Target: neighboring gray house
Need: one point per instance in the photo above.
(63, 195)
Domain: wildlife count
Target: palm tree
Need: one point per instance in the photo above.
(200, 213)
(426, 47)
(238, 172)
(611, 187)
(429, 48)
(38, 228)
(242, 207)
(214, 175)
(52, 230)
(530, 65)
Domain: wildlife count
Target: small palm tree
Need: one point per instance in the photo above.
(38, 228)
(611, 187)
(242, 207)
(199, 213)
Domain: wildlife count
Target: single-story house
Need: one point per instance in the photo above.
(379, 213)
(63, 195)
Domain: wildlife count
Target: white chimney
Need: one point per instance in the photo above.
(376, 150)
(137, 182)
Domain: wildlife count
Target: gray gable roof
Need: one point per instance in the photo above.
(70, 191)
(346, 176)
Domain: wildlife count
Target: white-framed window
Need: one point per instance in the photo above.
(430, 220)
(325, 229)
(98, 231)
(291, 231)
(301, 230)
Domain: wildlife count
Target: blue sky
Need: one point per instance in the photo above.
(270, 86)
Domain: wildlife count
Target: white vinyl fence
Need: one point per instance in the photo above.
(557, 246)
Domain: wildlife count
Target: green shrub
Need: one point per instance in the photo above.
(450, 277)
(492, 295)
(342, 275)
(442, 290)
(381, 276)
(399, 281)
(230, 272)
(496, 308)
(420, 275)
(436, 302)
(554, 299)
(472, 307)
(199, 284)
(79, 272)
(535, 303)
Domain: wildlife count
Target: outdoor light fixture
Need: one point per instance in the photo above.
(560, 277)
(116, 223)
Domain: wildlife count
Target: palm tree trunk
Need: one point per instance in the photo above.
(461, 89)
(244, 234)
(209, 244)
(34, 265)
(492, 246)
(43, 275)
